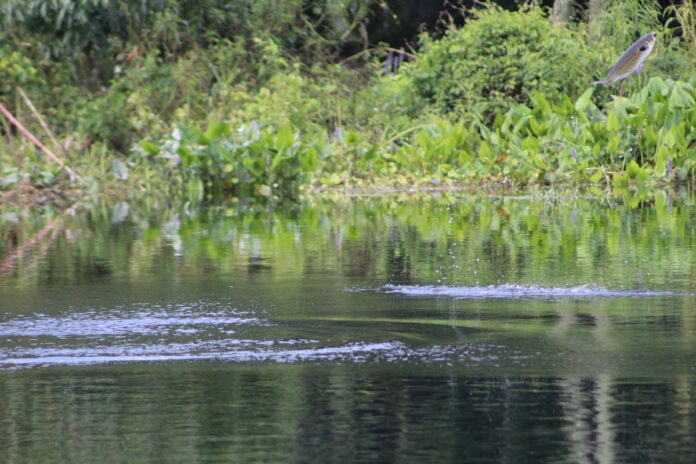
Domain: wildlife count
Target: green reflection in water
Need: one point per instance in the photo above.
(444, 239)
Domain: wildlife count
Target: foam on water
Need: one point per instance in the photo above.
(196, 332)
(217, 331)
(258, 351)
(125, 322)
(518, 291)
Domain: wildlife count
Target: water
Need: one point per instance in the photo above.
(446, 328)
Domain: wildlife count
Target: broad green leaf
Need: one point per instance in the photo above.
(585, 100)
(680, 98)
(217, 130)
(633, 169)
(149, 148)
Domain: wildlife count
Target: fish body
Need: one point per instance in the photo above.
(631, 61)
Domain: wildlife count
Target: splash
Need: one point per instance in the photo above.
(519, 291)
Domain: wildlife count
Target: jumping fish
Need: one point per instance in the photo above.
(631, 60)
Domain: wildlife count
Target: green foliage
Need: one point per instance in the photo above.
(15, 69)
(100, 28)
(503, 99)
(621, 22)
(500, 58)
(634, 140)
(437, 148)
(116, 72)
(251, 161)
(70, 27)
(32, 171)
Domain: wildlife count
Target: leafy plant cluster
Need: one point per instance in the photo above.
(505, 98)
(114, 72)
(93, 29)
(15, 69)
(647, 136)
(633, 140)
(250, 161)
(499, 59)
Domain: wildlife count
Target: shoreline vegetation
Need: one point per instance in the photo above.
(193, 101)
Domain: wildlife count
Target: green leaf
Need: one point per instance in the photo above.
(660, 159)
(285, 137)
(217, 130)
(541, 102)
(596, 177)
(277, 159)
(657, 85)
(484, 151)
(620, 180)
(643, 176)
(309, 159)
(633, 169)
(668, 138)
(149, 148)
(594, 190)
(585, 100)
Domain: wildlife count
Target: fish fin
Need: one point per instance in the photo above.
(639, 69)
(599, 83)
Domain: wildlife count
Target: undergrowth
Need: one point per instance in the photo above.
(165, 99)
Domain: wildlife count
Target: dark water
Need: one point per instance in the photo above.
(398, 329)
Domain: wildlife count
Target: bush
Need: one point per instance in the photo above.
(499, 58)
(15, 69)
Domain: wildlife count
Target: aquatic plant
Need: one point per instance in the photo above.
(253, 160)
(647, 136)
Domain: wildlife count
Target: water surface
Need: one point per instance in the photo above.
(431, 328)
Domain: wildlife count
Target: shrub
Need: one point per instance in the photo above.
(15, 69)
(499, 58)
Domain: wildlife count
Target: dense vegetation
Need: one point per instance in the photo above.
(255, 99)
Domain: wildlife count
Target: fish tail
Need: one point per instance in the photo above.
(602, 82)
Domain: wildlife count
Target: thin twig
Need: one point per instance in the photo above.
(405, 132)
(410, 55)
(36, 141)
(311, 26)
(368, 50)
(357, 20)
(41, 120)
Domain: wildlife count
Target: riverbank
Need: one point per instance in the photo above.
(504, 101)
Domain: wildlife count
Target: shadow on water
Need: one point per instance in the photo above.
(445, 328)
